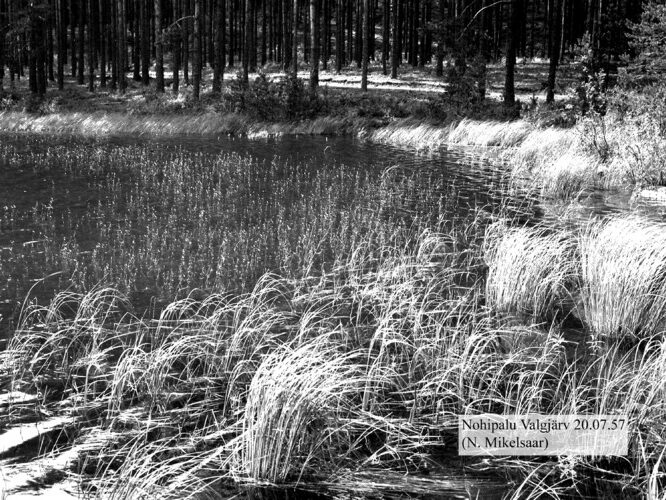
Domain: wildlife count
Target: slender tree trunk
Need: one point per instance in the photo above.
(159, 48)
(253, 35)
(339, 36)
(80, 77)
(349, 27)
(325, 34)
(113, 41)
(554, 43)
(511, 45)
(72, 37)
(49, 44)
(395, 41)
(186, 41)
(306, 31)
(176, 42)
(386, 34)
(136, 51)
(197, 55)
(264, 33)
(122, 47)
(218, 70)
(439, 69)
(145, 41)
(286, 48)
(314, 45)
(61, 41)
(91, 45)
(247, 41)
(294, 39)
(32, 61)
(37, 57)
(102, 44)
(358, 45)
(366, 46)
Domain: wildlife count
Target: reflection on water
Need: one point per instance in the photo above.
(46, 192)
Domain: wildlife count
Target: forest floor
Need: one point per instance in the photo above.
(415, 88)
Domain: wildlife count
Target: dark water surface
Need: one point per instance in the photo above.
(38, 200)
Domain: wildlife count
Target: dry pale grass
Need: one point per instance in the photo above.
(623, 262)
(365, 365)
(464, 133)
(530, 271)
(296, 410)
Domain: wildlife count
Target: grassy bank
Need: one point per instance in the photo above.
(364, 366)
(625, 147)
(556, 149)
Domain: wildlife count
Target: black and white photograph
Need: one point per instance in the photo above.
(332, 249)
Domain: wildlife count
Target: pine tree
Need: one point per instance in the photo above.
(314, 44)
(197, 55)
(647, 40)
(159, 47)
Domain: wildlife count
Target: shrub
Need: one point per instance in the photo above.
(286, 99)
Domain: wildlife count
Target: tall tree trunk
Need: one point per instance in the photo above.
(32, 61)
(395, 41)
(439, 68)
(294, 39)
(358, 45)
(484, 53)
(176, 42)
(306, 32)
(511, 45)
(247, 41)
(41, 55)
(72, 37)
(122, 47)
(339, 35)
(314, 44)
(49, 44)
(91, 45)
(80, 77)
(349, 27)
(145, 41)
(253, 35)
(159, 48)
(102, 43)
(218, 69)
(554, 43)
(61, 41)
(264, 32)
(113, 41)
(286, 48)
(366, 45)
(325, 34)
(196, 55)
(386, 33)
(186, 42)
(136, 41)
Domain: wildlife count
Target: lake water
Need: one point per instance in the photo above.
(68, 217)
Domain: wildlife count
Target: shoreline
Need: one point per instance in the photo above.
(556, 161)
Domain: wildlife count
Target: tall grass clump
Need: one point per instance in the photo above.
(623, 262)
(531, 271)
(297, 406)
(465, 132)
